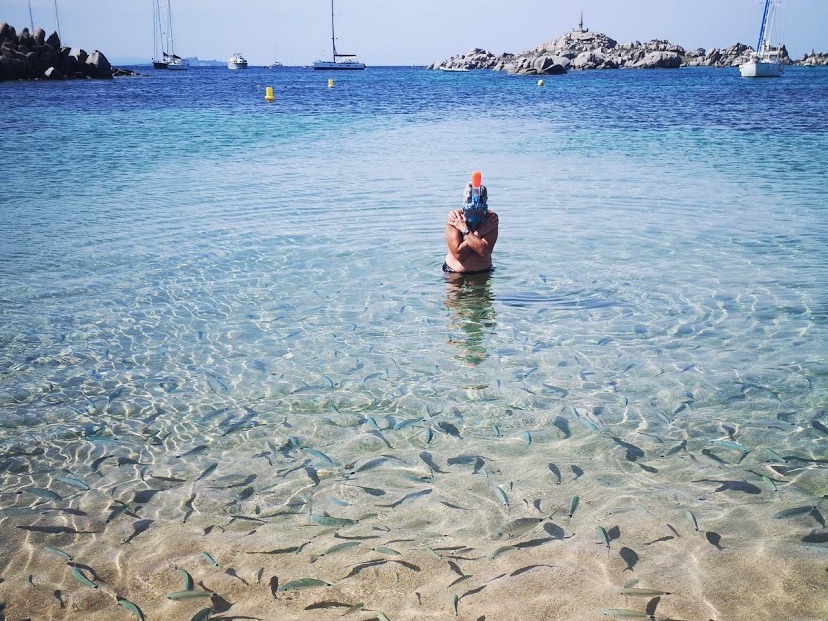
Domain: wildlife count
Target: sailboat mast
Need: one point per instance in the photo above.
(57, 20)
(333, 35)
(171, 40)
(31, 19)
(759, 44)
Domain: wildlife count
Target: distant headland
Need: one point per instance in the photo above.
(582, 49)
(34, 56)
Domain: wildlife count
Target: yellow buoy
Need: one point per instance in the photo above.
(269, 93)
(330, 83)
(540, 82)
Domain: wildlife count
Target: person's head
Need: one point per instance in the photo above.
(475, 201)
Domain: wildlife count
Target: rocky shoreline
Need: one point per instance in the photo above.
(581, 50)
(34, 56)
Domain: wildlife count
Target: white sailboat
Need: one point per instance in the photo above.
(174, 62)
(766, 61)
(158, 39)
(339, 61)
(164, 41)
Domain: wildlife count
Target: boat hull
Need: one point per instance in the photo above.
(157, 64)
(178, 65)
(759, 69)
(236, 66)
(325, 65)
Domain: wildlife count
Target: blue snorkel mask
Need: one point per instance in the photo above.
(475, 205)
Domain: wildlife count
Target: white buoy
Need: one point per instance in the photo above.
(540, 82)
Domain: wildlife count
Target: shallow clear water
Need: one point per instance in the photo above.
(183, 265)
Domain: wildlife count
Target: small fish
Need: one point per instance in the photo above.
(244, 494)
(207, 471)
(78, 575)
(499, 551)
(216, 384)
(57, 552)
(769, 483)
(410, 496)
(517, 527)
(384, 550)
(573, 505)
(454, 602)
(318, 454)
(73, 482)
(731, 445)
(527, 437)
(20, 512)
(371, 464)
(210, 559)
(692, 519)
(407, 423)
(187, 578)
(43, 493)
(429, 435)
(602, 533)
(339, 547)
(132, 608)
(304, 583)
(621, 613)
(192, 594)
(193, 451)
(642, 592)
(794, 511)
(449, 429)
(327, 520)
(501, 496)
(679, 447)
(202, 615)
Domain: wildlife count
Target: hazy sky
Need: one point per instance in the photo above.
(387, 32)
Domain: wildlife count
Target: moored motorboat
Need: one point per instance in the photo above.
(237, 61)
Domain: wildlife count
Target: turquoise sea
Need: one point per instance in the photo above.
(224, 330)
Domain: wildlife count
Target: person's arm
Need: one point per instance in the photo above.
(455, 225)
(481, 245)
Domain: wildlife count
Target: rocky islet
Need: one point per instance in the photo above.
(33, 56)
(581, 50)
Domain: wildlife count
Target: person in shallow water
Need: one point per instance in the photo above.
(471, 232)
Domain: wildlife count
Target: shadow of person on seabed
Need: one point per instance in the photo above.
(469, 297)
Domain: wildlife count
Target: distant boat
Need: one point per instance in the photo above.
(340, 61)
(453, 69)
(158, 39)
(176, 63)
(766, 61)
(165, 41)
(275, 62)
(237, 61)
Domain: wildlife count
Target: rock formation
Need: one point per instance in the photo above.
(814, 60)
(594, 50)
(32, 56)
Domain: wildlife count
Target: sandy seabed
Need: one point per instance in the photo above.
(473, 524)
